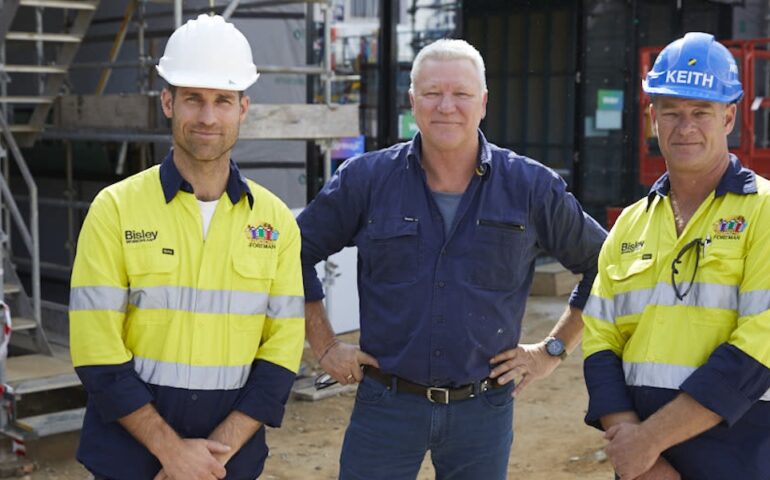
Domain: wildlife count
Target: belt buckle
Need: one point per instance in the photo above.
(485, 385)
(444, 391)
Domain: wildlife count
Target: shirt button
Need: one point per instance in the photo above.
(437, 353)
(441, 284)
(194, 396)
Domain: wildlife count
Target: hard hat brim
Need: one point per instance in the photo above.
(690, 93)
(190, 81)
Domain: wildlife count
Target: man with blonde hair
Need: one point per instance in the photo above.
(447, 228)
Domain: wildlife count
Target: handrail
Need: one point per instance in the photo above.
(31, 235)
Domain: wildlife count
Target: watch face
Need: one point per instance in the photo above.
(555, 347)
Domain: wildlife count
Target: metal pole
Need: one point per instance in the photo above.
(4, 79)
(387, 73)
(39, 50)
(328, 72)
(326, 145)
(177, 13)
(766, 90)
(230, 9)
(7, 211)
(70, 193)
(33, 240)
(141, 25)
(326, 78)
(143, 156)
(35, 230)
(121, 164)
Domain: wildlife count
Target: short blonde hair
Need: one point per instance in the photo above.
(449, 49)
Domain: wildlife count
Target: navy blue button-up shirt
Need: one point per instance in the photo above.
(434, 307)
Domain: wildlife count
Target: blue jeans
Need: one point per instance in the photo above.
(390, 432)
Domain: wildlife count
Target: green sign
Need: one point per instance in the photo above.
(609, 100)
(609, 109)
(407, 127)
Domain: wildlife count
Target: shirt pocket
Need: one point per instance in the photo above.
(627, 272)
(721, 268)
(250, 294)
(633, 284)
(394, 249)
(497, 255)
(146, 261)
(719, 276)
(153, 284)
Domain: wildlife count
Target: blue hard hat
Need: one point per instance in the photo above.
(695, 66)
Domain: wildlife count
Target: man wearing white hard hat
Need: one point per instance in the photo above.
(187, 307)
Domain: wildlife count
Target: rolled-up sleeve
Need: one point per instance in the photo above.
(267, 389)
(330, 221)
(568, 233)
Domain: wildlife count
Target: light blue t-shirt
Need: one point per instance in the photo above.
(447, 205)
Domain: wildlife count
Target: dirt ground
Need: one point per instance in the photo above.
(550, 440)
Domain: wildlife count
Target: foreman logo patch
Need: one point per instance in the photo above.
(730, 228)
(261, 236)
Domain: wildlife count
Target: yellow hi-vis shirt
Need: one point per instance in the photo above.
(191, 314)
(633, 310)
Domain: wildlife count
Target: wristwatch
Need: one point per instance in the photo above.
(555, 347)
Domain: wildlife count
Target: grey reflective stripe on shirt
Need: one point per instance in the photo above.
(188, 299)
(98, 298)
(286, 307)
(191, 377)
(661, 375)
(752, 303)
(707, 295)
(600, 308)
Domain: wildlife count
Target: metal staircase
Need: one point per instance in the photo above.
(33, 364)
(29, 84)
(34, 108)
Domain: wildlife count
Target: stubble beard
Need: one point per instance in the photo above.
(202, 152)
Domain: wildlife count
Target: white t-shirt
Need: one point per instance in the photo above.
(207, 212)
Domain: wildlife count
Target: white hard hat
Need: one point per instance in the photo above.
(208, 53)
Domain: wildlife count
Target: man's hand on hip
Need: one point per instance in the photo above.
(343, 362)
(527, 362)
(193, 459)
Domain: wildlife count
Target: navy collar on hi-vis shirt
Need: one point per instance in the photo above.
(736, 179)
(485, 153)
(171, 181)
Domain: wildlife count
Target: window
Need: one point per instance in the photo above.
(364, 8)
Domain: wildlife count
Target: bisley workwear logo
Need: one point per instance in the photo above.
(630, 247)
(139, 236)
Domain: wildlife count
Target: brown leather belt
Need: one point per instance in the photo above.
(442, 395)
